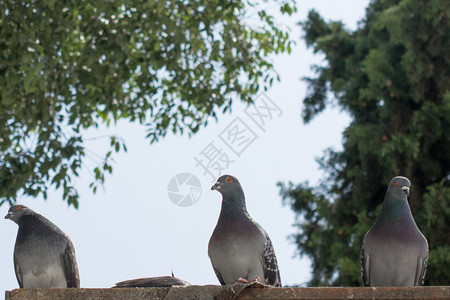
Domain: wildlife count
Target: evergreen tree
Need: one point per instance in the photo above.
(392, 75)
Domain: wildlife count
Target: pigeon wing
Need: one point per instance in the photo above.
(70, 267)
(422, 264)
(270, 264)
(219, 276)
(18, 272)
(365, 263)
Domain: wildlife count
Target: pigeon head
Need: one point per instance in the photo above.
(399, 187)
(227, 185)
(16, 212)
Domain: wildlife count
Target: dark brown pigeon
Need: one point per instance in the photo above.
(161, 281)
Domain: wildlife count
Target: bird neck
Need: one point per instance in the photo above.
(27, 220)
(396, 210)
(233, 206)
(29, 227)
(38, 223)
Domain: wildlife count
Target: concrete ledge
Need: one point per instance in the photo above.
(233, 292)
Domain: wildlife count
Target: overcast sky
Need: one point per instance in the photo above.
(132, 229)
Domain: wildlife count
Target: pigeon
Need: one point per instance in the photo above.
(394, 252)
(44, 256)
(161, 281)
(240, 249)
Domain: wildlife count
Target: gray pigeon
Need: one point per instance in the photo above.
(44, 256)
(239, 248)
(161, 281)
(394, 252)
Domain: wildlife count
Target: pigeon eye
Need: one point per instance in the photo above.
(228, 179)
(19, 207)
(395, 183)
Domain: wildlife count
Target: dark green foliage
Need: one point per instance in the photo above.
(66, 66)
(392, 75)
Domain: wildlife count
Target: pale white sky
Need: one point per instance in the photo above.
(131, 229)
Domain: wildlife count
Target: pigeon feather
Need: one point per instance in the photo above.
(239, 247)
(394, 252)
(44, 256)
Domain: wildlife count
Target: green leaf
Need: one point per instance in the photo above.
(74, 65)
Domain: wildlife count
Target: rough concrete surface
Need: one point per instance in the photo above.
(252, 291)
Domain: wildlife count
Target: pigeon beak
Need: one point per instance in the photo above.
(8, 215)
(216, 186)
(405, 190)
